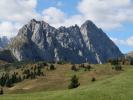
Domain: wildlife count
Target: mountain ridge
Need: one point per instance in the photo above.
(37, 40)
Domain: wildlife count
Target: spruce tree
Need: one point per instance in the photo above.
(52, 67)
(1, 91)
(74, 82)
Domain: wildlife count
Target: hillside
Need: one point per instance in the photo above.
(52, 79)
(130, 54)
(116, 87)
(6, 55)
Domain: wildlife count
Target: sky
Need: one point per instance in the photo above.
(115, 17)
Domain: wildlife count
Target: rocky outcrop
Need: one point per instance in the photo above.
(39, 41)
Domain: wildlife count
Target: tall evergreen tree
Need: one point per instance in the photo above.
(74, 82)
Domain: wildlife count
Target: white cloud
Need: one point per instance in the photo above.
(57, 17)
(107, 14)
(15, 13)
(53, 16)
(128, 42)
(118, 41)
(18, 10)
(7, 29)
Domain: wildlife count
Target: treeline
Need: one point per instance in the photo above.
(83, 66)
(117, 63)
(8, 79)
(121, 61)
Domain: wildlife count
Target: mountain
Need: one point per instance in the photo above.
(37, 40)
(130, 54)
(4, 41)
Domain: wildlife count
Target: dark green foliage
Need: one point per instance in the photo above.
(6, 55)
(131, 63)
(118, 67)
(61, 62)
(81, 66)
(1, 91)
(52, 67)
(74, 68)
(9, 79)
(114, 61)
(93, 79)
(87, 68)
(74, 82)
(42, 64)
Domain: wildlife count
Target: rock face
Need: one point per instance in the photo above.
(39, 41)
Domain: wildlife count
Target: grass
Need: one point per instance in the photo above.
(110, 85)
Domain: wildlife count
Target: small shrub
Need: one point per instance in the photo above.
(81, 66)
(93, 79)
(61, 62)
(131, 62)
(52, 67)
(1, 91)
(87, 68)
(74, 82)
(118, 67)
(74, 68)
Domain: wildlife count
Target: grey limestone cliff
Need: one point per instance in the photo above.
(39, 41)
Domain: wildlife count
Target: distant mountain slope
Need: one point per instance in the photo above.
(37, 40)
(7, 56)
(4, 41)
(130, 54)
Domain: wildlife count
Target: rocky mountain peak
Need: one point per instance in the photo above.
(89, 24)
(37, 40)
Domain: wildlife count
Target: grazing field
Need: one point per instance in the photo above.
(109, 85)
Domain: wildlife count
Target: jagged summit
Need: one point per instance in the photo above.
(34, 21)
(37, 40)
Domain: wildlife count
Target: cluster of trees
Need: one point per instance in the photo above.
(8, 79)
(117, 67)
(85, 67)
(118, 63)
(32, 73)
(122, 61)
(75, 82)
(61, 62)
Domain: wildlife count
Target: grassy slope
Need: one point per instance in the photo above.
(119, 87)
(60, 78)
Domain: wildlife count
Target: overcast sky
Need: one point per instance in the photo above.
(115, 17)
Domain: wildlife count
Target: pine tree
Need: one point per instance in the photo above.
(74, 82)
(73, 68)
(52, 67)
(93, 79)
(1, 91)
